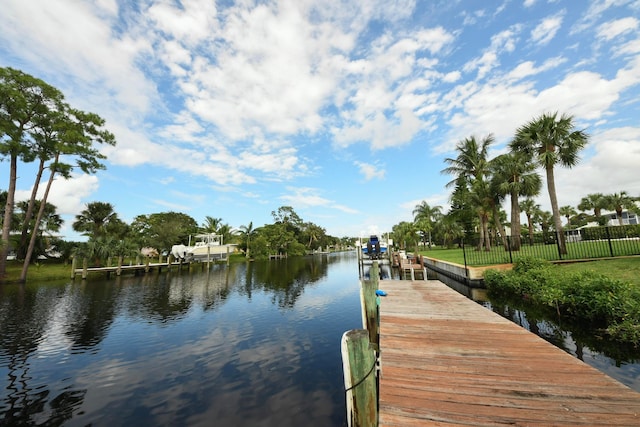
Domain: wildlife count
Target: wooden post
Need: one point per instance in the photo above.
(228, 255)
(359, 365)
(146, 265)
(85, 265)
(73, 268)
(370, 305)
(119, 269)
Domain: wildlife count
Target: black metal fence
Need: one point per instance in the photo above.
(586, 243)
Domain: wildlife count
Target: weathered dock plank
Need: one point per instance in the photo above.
(448, 361)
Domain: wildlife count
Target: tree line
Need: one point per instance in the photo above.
(480, 186)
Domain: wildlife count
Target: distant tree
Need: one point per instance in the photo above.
(618, 202)
(425, 217)
(449, 229)
(405, 235)
(279, 240)
(163, 230)
(595, 202)
(211, 225)
(288, 217)
(551, 140)
(514, 175)
(530, 208)
(313, 234)
(247, 232)
(97, 220)
(568, 212)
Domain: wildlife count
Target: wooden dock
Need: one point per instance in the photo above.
(446, 360)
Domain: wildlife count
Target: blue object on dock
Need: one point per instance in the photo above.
(381, 293)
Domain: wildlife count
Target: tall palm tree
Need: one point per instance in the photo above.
(530, 208)
(425, 217)
(595, 202)
(470, 168)
(551, 140)
(619, 202)
(247, 231)
(515, 175)
(568, 212)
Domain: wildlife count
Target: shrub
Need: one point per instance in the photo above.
(586, 296)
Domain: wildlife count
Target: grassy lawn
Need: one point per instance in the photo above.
(575, 251)
(626, 269)
(46, 271)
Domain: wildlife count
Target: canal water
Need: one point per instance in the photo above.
(255, 344)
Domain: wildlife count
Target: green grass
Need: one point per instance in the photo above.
(451, 255)
(50, 270)
(38, 272)
(625, 269)
(497, 254)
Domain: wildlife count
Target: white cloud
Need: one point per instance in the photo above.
(612, 29)
(504, 41)
(547, 29)
(617, 151)
(370, 171)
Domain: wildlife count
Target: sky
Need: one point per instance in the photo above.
(342, 110)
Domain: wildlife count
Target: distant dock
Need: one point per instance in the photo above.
(139, 268)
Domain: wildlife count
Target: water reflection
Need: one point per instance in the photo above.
(248, 344)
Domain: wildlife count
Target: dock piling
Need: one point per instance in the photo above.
(359, 363)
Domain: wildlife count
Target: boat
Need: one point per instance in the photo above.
(374, 248)
(208, 247)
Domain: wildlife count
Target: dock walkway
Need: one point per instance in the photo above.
(446, 360)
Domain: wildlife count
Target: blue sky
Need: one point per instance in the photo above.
(343, 110)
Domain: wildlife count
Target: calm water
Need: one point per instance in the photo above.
(247, 345)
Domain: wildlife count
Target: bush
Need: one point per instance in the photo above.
(586, 296)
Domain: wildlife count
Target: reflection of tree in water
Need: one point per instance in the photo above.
(25, 317)
(163, 297)
(216, 285)
(93, 307)
(546, 323)
(286, 278)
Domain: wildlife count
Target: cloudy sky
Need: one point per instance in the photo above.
(343, 110)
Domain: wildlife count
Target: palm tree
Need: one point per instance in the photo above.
(449, 229)
(551, 141)
(595, 202)
(404, 234)
(618, 202)
(530, 208)
(95, 219)
(568, 212)
(514, 175)
(425, 216)
(211, 225)
(470, 169)
(247, 231)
